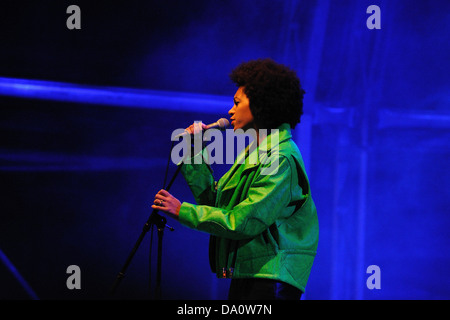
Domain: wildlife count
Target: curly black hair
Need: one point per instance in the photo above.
(273, 90)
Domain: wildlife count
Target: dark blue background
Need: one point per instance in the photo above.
(77, 178)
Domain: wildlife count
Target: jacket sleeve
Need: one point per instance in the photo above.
(267, 197)
(200, 180)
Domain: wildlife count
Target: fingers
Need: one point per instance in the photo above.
(158, 204)
(161, 197)
(190, 129)
(167, 203)
(163, 193)
(196, 127)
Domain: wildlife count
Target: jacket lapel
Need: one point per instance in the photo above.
(252, 156)
(231, 179)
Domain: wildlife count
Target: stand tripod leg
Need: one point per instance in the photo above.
(159, 265)
(160, 223)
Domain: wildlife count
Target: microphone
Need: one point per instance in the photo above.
(220, 124)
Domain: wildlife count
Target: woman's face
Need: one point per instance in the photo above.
(241, 116)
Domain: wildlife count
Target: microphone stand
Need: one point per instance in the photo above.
(160, 223)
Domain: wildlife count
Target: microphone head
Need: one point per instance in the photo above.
(223, 123)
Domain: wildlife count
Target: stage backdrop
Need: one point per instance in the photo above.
(90, 95)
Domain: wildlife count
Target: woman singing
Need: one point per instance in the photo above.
(263, 225)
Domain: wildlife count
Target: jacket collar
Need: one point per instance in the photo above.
(253, 155)
(277, 136)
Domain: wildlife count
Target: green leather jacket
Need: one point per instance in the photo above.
(261, 226)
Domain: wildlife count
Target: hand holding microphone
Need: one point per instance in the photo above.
(195, 128)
